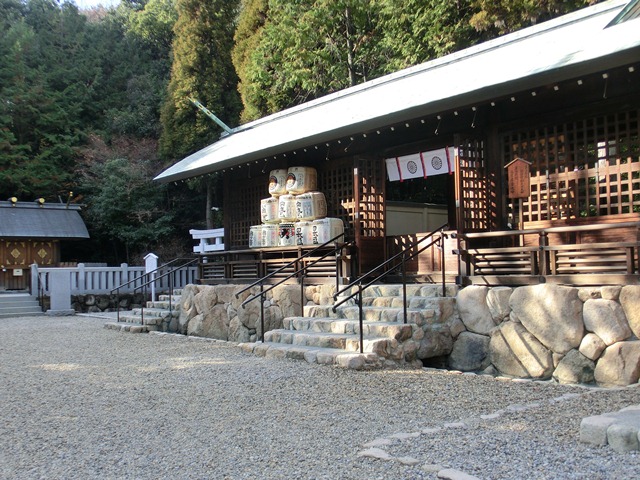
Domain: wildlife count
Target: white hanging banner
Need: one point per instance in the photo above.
(422, 164)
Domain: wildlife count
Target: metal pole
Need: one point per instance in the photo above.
(360, 316)
(404, 288)
(262, 312)
(444, 287)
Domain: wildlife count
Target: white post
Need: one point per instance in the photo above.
(34, 279)
(82, 279)
(150, 265)
(60, 293)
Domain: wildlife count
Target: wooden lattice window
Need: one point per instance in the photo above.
(243, 209)
(472, 190)
(371, 177)
(585, 168)
(335, 180)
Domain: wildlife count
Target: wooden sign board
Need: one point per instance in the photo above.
(519, 176)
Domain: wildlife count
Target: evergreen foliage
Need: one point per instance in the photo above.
(202, 70)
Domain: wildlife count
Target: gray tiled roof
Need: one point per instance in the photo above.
(553, 51)
(29, 220)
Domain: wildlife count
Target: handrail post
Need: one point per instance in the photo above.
(404, 288)
(360, 317)
(170, 291)
(442, 260)
(262, 312)
(118, 304)
(543, 261)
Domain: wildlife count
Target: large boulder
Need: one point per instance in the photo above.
(498, 303)
(213, 323)
(436, 342)
(606, 319)
(288, 298)
(473, 309)
(592, 346)
(470, 352)
(619, 364)
(552, 313)
(574, 368)
(238, 332)
(516, 352)
(187, 307)
(630, 300)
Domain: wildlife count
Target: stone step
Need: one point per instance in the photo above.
(163, 304)
(414, 290)
(336, 341)
(156, 312)
(19, 305)
(311, 354)
(129, 327)
(174, 298)
(395, 330)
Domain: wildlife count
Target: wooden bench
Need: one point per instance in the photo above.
(210, 240)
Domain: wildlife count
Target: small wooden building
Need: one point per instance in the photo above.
(31, 233)
(562, 97)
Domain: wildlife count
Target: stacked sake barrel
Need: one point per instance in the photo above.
(295, 213)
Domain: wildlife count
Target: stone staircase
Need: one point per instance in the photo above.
(19, 305)
(326, 337)
(155, 317)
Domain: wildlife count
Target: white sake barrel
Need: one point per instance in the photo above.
(311, 205)
(303, 233)
(324, 229)
(269, 210)
(255, 236)
(301, 180)
(287, 234)
(270, 235)
(278, 182)
(287, 208)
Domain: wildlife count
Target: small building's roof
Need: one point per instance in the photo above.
(577, 44)
(31, 220)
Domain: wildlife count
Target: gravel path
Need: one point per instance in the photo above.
(80, 402)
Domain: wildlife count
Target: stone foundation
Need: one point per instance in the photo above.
(573, 335)
(95, 303)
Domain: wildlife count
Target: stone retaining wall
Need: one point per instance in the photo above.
(95, 303)
(573, 335)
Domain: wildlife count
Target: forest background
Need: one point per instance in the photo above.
(95, 102)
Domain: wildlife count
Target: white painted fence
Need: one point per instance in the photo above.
(104, 279)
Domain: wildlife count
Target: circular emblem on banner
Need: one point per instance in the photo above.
(412, 167)
(436, 163)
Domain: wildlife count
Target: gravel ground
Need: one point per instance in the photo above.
(78, 401)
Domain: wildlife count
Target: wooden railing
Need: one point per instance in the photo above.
(611, 262)
(245, 266)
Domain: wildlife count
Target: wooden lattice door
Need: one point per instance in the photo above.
(473, 192)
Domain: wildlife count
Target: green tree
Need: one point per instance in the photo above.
(124, 206)
(303, 50)
(415, 31)
(497, 17)
(202, 69)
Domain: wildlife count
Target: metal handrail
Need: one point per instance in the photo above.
(402, 254)
(261, 281)
(152, 280)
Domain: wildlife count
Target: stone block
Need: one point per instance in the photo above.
(551, 313)
(574, 368)
(619, 364)
(592, 346)
(593, 430)
(516, 352)
(606, 319)
(473, 309)
(630, 301)
(623, 437)
(470, 352)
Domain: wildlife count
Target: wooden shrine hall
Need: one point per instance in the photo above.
(32, 233)
(532, 139)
